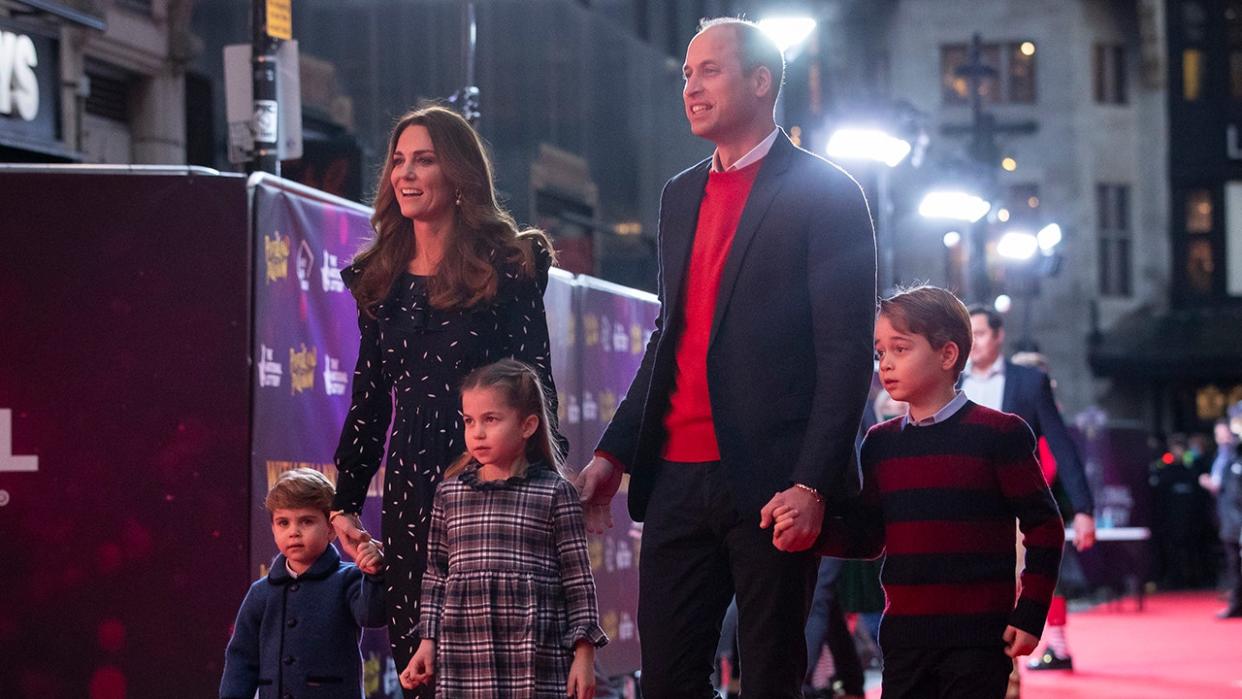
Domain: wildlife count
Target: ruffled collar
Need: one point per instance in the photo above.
(470, 477)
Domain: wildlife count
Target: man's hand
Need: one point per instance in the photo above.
(1084, 531)
(596, 485)
(798, 515)
(1019, 642)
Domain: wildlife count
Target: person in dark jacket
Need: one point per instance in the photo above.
(1225, 482)
(298, 629)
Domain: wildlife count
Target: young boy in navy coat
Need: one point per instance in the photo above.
(299, 626)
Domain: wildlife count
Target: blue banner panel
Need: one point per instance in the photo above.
(124, 437)
(616, 323)
(305, 347)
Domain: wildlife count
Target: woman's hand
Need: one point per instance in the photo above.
(349, 532)
(422, 666)
(370, 558)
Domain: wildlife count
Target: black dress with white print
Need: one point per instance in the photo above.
(411, 361)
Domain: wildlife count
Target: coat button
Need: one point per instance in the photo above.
(294, 587)
(289, 660)
(291, 623)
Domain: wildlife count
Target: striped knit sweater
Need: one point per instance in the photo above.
(941, 501)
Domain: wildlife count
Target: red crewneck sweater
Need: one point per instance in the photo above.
(688, 422)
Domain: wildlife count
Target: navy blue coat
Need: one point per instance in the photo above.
(299, 637)
(1028, 394)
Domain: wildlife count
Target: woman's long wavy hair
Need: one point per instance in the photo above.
(519, 388)
(484, 235)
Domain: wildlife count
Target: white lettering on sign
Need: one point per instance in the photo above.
(9, 462)
(19, 88)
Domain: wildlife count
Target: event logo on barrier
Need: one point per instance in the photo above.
(270, 371)
(306, 262)
(302, 368)
(330, 274)
(276, 252)
(335, 381)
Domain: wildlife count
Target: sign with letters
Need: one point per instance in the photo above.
(29, 98)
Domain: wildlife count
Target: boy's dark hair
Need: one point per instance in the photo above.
(298, 488)
(996, 321)
(934, 313)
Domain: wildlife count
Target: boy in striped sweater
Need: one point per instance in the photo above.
(943, 487)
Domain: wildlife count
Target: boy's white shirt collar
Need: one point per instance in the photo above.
(753, 156)
(945, 412)
(289, 570)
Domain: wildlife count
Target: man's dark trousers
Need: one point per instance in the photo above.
(697, 552)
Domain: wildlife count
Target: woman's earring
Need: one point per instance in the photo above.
(458, 198)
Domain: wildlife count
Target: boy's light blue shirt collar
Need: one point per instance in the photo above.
(949, 409)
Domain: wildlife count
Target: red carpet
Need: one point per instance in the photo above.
(1174, 649)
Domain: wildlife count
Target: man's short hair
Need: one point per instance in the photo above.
(996, 321)
(934, 313)
(755, 48)
(299, 488)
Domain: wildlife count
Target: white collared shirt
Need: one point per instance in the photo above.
(987, 389)
(290, 570)
(946, 412)
(753, 156)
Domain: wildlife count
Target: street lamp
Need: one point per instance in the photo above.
(787, 32)
(954, 205)
(1019, 246)
(1049, 237)
(875, 146)
(855, 143)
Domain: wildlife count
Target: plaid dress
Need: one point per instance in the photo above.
(508, 588)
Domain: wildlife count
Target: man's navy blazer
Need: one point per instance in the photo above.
(789, 358)
(1028, 394)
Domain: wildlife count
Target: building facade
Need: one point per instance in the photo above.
(1185, 360)
(98, 81)
(1078, 94)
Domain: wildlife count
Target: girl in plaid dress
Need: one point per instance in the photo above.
(508, 601)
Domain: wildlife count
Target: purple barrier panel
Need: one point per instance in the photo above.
(616, 324)
(561, 304)
(124, 395)
(305, 347)
(1116, 461)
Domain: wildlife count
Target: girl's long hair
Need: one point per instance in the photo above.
(518, 385)
(484, 235)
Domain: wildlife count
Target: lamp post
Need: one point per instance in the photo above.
(882, 149)
(1032, 254)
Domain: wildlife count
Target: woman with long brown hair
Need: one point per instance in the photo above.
(448, 284)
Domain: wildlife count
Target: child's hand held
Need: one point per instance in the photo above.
(1018, 642)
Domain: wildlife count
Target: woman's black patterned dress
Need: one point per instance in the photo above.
(411, 361)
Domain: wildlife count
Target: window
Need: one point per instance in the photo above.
(1199, 211)
(1233, 40)
(1011, 78)
(1192, 74)
(1110, 74)
(1200, 250)
(1115, 238)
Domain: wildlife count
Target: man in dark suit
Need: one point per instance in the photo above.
(752, 385)
(996, 382)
